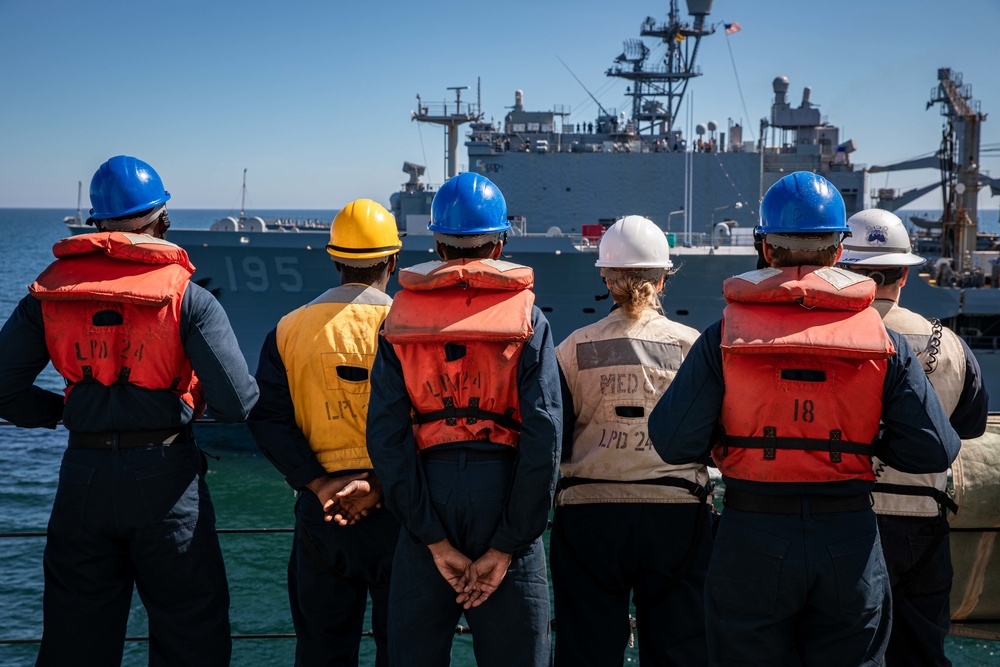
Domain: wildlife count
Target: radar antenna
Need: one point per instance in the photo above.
(668, 79)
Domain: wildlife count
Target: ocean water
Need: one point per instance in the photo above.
(248, 493)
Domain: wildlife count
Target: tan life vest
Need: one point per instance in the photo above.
(328, 348)
(616, 370)
(941, 354)
(459, 329)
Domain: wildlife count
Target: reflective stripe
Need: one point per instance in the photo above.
(628, 352)
(881, 249)
(359, 251)
(360, 295)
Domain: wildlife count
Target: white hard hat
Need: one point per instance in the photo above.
(878, 238)
(634, 242)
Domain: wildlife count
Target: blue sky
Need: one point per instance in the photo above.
(314, 98)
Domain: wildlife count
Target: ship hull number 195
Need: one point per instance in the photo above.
(257, 275)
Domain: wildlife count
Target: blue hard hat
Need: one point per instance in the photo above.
(802, 203)
(467, 205)
(123, 186)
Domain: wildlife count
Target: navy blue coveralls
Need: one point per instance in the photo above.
(475, 496)
(811, 584)
(332, 569)
(918, 553)
(125, 515)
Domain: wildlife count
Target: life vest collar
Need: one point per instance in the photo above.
(125, 245)
(473, 273)
(809, 286)
(462, 300)
(115, 266)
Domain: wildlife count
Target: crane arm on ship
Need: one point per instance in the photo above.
(928, 162)
(891, 200)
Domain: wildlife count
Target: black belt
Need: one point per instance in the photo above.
(938, 495)
(130, 439)
(436, 454)
(794, 504)
(697, 490)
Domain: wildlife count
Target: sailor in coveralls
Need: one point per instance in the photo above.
(142, 350)
(310, 422)
(626, 523)
(464, 430)
(788, 393)
(912, 509)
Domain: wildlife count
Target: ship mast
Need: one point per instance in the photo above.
(440, 115)
(243, 200)
(668, 79)
(959, 167)
(79, 200)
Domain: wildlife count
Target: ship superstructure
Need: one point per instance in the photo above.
(564, 181)
(560, 176)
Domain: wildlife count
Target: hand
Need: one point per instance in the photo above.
(451, 563)
(356, 499)
(484, 577)
(326, 489)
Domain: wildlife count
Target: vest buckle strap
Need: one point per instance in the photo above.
(450, 415)
(770, 448)
(941, 497)
(449, 411)
(835, 446)
(472, 412)
(768, 442)
(699, 491)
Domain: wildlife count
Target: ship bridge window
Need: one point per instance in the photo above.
(589, 311)
(680, 312)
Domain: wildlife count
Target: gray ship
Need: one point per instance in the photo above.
(565, 182)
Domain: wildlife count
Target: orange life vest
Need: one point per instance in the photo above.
(111, 304)
(459, 329)
(804, 363)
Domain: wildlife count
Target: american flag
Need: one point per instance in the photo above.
(732, 27)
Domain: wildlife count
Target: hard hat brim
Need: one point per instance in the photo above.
(636, 265)
(886, 259)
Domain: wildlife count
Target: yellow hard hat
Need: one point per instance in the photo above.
(363, 231)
